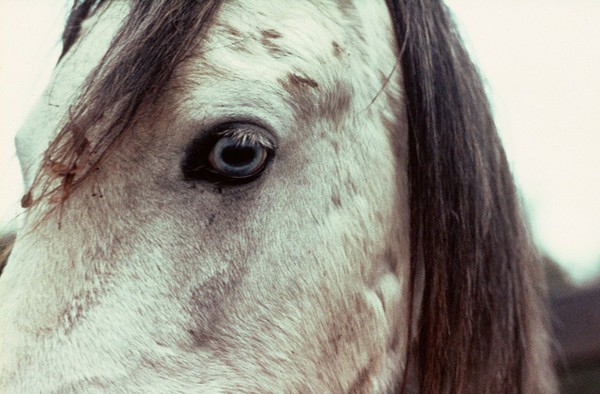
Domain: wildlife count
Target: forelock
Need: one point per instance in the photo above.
(155, 37)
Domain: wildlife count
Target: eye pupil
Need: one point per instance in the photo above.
(238, 156)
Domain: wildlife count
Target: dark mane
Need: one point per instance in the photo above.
(481, 326)
(131, 75)
(80, 11)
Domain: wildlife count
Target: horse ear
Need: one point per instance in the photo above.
(481, 322)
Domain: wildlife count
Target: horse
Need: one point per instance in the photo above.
(269, 196)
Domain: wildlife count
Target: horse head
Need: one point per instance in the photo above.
(255, 196)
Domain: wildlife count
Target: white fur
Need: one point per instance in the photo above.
(292, 283)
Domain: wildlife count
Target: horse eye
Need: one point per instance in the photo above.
(237, 158)
(233, 153)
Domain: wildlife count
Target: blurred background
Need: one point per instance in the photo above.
(541, 63)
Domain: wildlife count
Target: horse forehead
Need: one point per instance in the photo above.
(319, 54)
(305, 31)
(315, 19)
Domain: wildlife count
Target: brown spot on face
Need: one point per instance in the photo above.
(270, 33)
(337, 50)
(336, 199)
(351, 186)
(303, 95)
(330, 101)
(232, 30)
(233, 38)
(269, 39)
(299, 81)
(335, 102)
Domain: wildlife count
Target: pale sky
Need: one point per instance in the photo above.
(541, 63)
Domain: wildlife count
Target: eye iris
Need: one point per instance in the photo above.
(237, 159)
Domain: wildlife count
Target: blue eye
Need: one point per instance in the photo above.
(238, 158)
(233, 153)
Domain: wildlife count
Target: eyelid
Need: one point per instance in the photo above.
(243, 134)
(223, 123)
